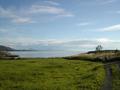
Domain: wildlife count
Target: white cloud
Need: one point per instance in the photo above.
(25, 41)
(22, 20)
(111, 28)
(7, 13)
(52, 3)
(84, 24)
(3, 30)
(8, 31)
(13, 16)
(106, 1)
(104, 40)
(26, 15)
(109, 1)
(44, 9)
(118, 12)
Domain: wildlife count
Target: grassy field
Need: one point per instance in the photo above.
(50, 74)
(116, 77)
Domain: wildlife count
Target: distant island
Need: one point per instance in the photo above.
(6, 48)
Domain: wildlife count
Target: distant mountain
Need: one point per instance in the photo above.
(5, 48)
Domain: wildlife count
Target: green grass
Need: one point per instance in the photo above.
(116, 77)
(50, 74)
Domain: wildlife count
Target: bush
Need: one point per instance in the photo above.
(4, 54)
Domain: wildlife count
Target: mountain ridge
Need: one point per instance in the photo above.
(6, 48)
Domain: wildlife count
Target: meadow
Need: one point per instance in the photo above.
(116, 76)
(51, 74)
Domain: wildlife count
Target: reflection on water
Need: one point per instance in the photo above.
(44, 53)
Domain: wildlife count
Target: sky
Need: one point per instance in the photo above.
(60, 24)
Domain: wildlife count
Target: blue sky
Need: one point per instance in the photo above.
(60, 24)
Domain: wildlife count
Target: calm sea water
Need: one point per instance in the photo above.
(44, 54)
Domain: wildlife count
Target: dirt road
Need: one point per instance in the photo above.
(108, 80)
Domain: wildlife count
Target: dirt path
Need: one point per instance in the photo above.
(108, 80)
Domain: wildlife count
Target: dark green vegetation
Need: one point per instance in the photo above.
(104, 56)
(116, 76)
(51, 74)
(6, 55)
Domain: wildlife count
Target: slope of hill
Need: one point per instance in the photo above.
(5, 48)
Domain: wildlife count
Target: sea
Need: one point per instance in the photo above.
(45, 54)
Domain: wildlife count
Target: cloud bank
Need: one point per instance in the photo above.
(111, 28)
(80, 44)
